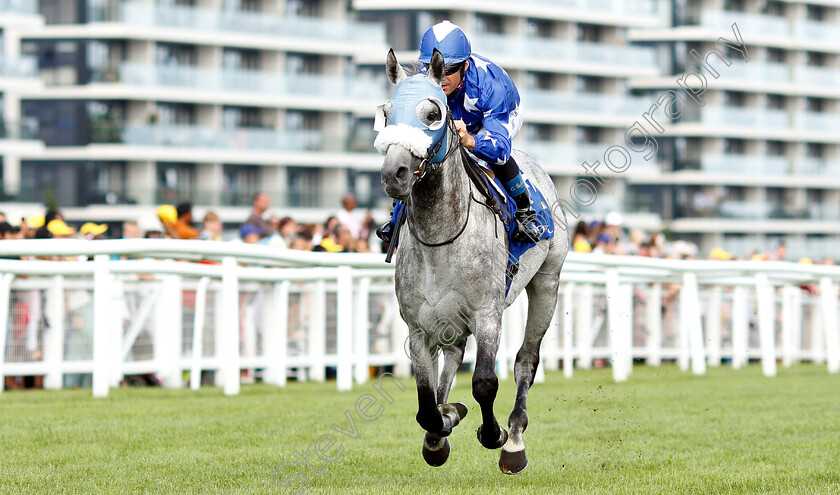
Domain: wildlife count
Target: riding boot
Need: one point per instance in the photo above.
(527, 229)
(386, 231)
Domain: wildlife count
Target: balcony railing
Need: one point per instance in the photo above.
(817, 76)
(251, 81)
(828, 32)
(816, 166)
(235, 138)
(19, 6)
(545, 49)
(593, 104)
(22, 67)
(744, 164)
(570, 154)
(754, 24)
(26, 130)
(821, 122)
(193, 18)
(740, 117)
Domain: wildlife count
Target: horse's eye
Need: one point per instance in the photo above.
(433, 115)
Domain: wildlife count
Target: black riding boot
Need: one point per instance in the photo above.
(527, 229)
(385, 232)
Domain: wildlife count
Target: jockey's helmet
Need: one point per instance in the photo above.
(449, 39)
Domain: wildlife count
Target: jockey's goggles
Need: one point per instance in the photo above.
(449, 69)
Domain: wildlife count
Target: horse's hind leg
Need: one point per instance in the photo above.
(542, 299)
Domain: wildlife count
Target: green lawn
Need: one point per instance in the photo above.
(663, 431)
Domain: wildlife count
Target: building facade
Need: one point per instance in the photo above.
(113, 107)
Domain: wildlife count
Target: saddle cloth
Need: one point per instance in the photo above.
(508, 209)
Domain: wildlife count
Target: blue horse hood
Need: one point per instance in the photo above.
(407, 95)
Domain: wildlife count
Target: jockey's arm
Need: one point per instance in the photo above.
(492, 142)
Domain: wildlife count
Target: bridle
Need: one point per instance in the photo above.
(423, 169)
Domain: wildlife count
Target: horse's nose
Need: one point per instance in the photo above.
(402, 173)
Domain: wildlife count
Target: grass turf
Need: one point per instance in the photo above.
(663, 431)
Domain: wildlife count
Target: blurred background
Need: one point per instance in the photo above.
(112, 108)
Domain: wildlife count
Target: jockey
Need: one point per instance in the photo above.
(485, 106)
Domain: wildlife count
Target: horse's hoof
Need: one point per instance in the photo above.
(513, 462)
(461, 408)
(456, 407)
(436, 457)
(492, 444)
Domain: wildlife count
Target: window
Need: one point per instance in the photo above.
(815, 150)
(775, 55)
(176, 114)
(491, 24)
(588, 134)
(815, 12)
(734, 146)
(814, 105)
(177, 55)
(588, 84)
(239, 184)
(241, 117)
(539, 28)
(776, 148)
(776, 101)
(175, 183)
(734, 99)
(240, 59)
(774, 8)
(589, 32)
(539, 80)
(816, 59)
(304, 188)
(299, 63)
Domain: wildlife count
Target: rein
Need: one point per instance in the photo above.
(435, 166)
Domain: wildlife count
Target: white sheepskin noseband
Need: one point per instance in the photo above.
(413, 139)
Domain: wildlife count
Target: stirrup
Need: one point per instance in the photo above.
(527, 229)
(385, 232)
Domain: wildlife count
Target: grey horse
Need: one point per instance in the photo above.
(450, 277)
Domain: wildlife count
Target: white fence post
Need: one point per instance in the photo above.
(229, 345)
(583, 325)
(617, 326)
(740, 326)
(117, 330)
(5, 297)
(788, 316)
(344, 328)
(317, 342)
(828, 293)
(694, 323)
(198, 332)
(399, 341)
(361, 332)
(568, 331)
(713, 326)
(683, 340)
(169, 330)
(101, 325)
(797, 324)
(54, 338)
(766, 323)
(276, 326)
(653, 318)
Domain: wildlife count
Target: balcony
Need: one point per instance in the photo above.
(545, 49)
(817, 166)
(237, 138)
(767, 73)
(551, 154)
(27, 7)
(193, 18)
(720, 21)
(727, 117)
(351, 89)
(732, 164)
(24, 67)
(26, 131)
(817, 76)
(594, 104)
(824, 32)
(820, 122)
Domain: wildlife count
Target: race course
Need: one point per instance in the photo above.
(662, 431)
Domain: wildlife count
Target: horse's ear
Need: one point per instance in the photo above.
(395, 71)
(435, 71)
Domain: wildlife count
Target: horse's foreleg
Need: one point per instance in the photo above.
(541, 303)
(485, 384)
